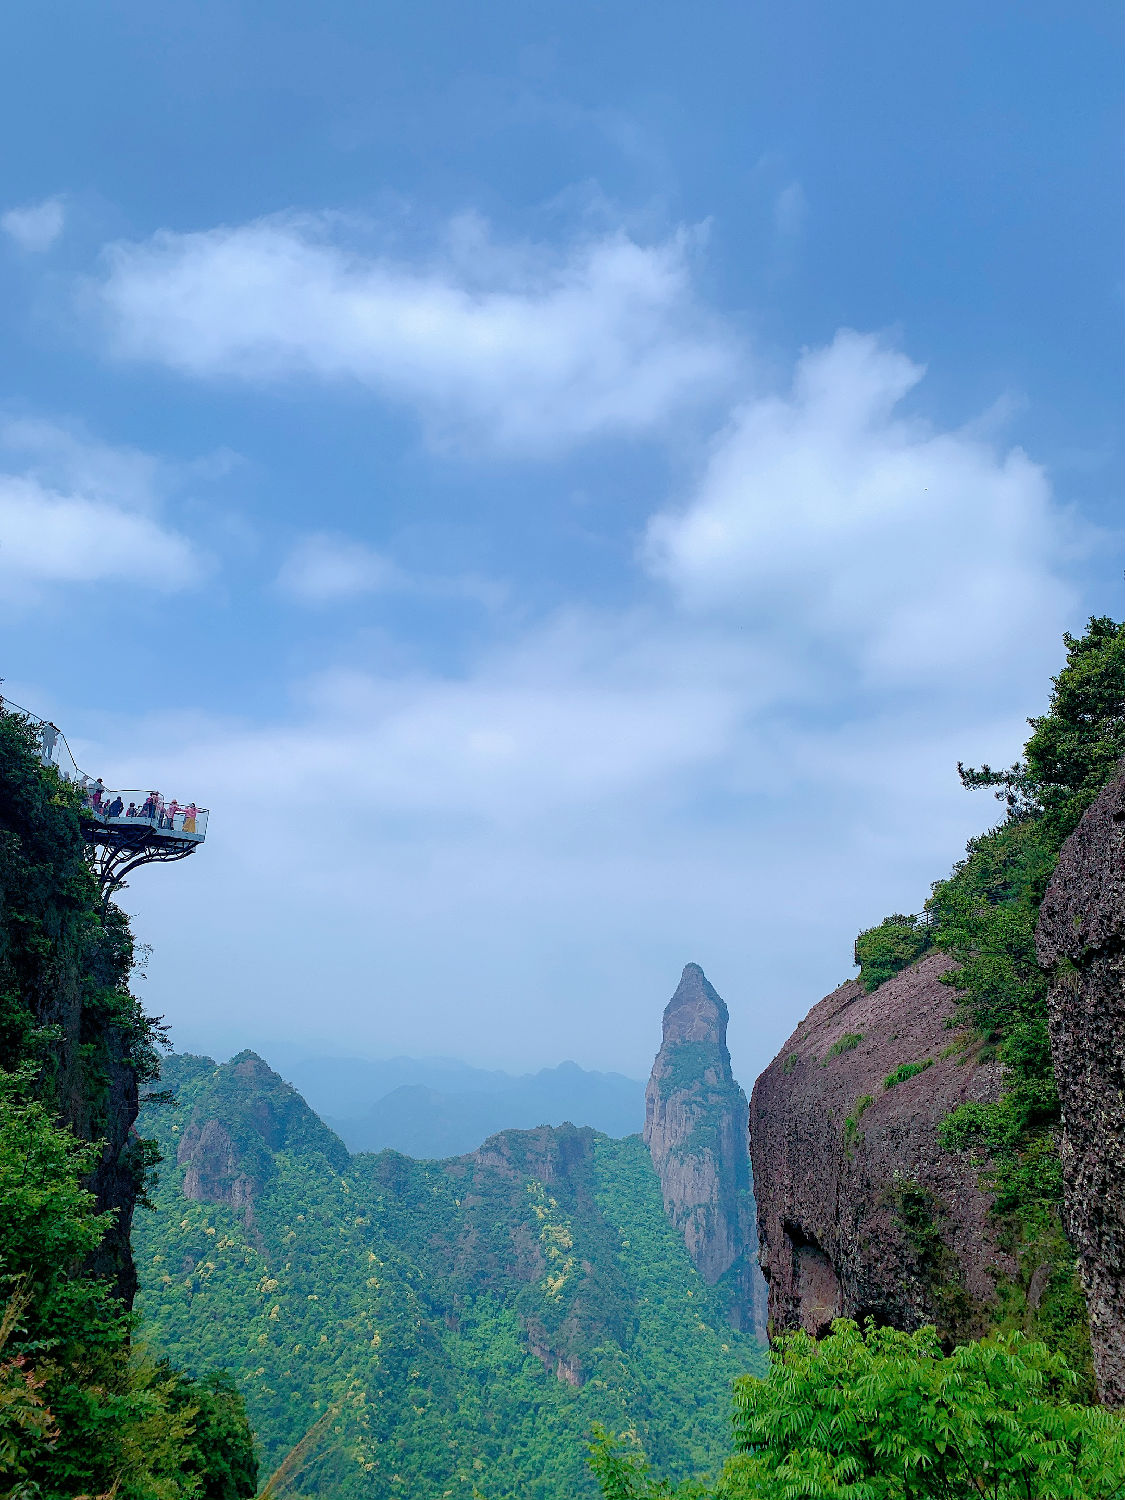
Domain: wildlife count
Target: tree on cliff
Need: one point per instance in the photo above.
(1077, 744)
(984, 917)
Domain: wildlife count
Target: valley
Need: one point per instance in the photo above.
(467, 1320)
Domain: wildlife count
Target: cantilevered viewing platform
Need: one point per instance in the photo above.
(122, 828)
(126, 828)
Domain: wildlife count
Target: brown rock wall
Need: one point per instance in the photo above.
(859, 1210)
(1081, 943)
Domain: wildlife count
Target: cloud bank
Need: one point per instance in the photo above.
(77, 511)
(513, 346)
(743, 770)
(908, 554)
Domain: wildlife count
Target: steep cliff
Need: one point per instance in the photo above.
(860, 1211)
(1081, 942)
(65, 1006)
(695, 1130)
(81, 1412)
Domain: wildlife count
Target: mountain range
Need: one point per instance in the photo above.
(455, 1328)
(440, 1107)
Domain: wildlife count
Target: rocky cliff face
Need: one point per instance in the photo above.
(695, 1129)
(859, 1210)
(1081, 942)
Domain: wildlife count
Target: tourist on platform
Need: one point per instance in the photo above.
(190, 813)
(97, 792)
(115, 808)
(131, 810)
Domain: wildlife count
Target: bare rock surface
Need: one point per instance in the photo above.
(695, 1129)
(1081, 943)
(859, 1210)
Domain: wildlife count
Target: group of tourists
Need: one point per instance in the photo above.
(153, 809)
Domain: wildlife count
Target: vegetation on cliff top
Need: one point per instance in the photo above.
(984, 917)
(81, 1412)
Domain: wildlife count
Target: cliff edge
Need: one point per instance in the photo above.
(695, 1130)
(65, 1006)
(859, 1210)
(1080, 941)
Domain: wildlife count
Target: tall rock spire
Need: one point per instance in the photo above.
(695, 1130)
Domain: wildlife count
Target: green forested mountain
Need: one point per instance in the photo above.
(466, 1320)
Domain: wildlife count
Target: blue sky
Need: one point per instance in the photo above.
(565, 486)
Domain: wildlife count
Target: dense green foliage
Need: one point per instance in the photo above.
(983, 916)
(688, 1064)
(439, 1311)
(65, 960)
(81, 1411)
(884, 1415)
(894, 945)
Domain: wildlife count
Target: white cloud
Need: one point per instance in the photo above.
(503, 344)
(78, 511)
(323, 568)
(36, 226)
(511, 862)
(790, 211)
(513, 865)
(65, 459)
(901, 553)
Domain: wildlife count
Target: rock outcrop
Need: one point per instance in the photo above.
(244, 1114)
(1081, 943)
(859, 1210)
(695, 1130)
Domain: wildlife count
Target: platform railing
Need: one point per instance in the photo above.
(185, 822)
(188, 822)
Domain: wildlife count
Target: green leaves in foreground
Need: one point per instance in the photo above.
(884, 1415)
(82, 1413)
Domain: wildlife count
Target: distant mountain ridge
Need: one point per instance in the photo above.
(437, 1108)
